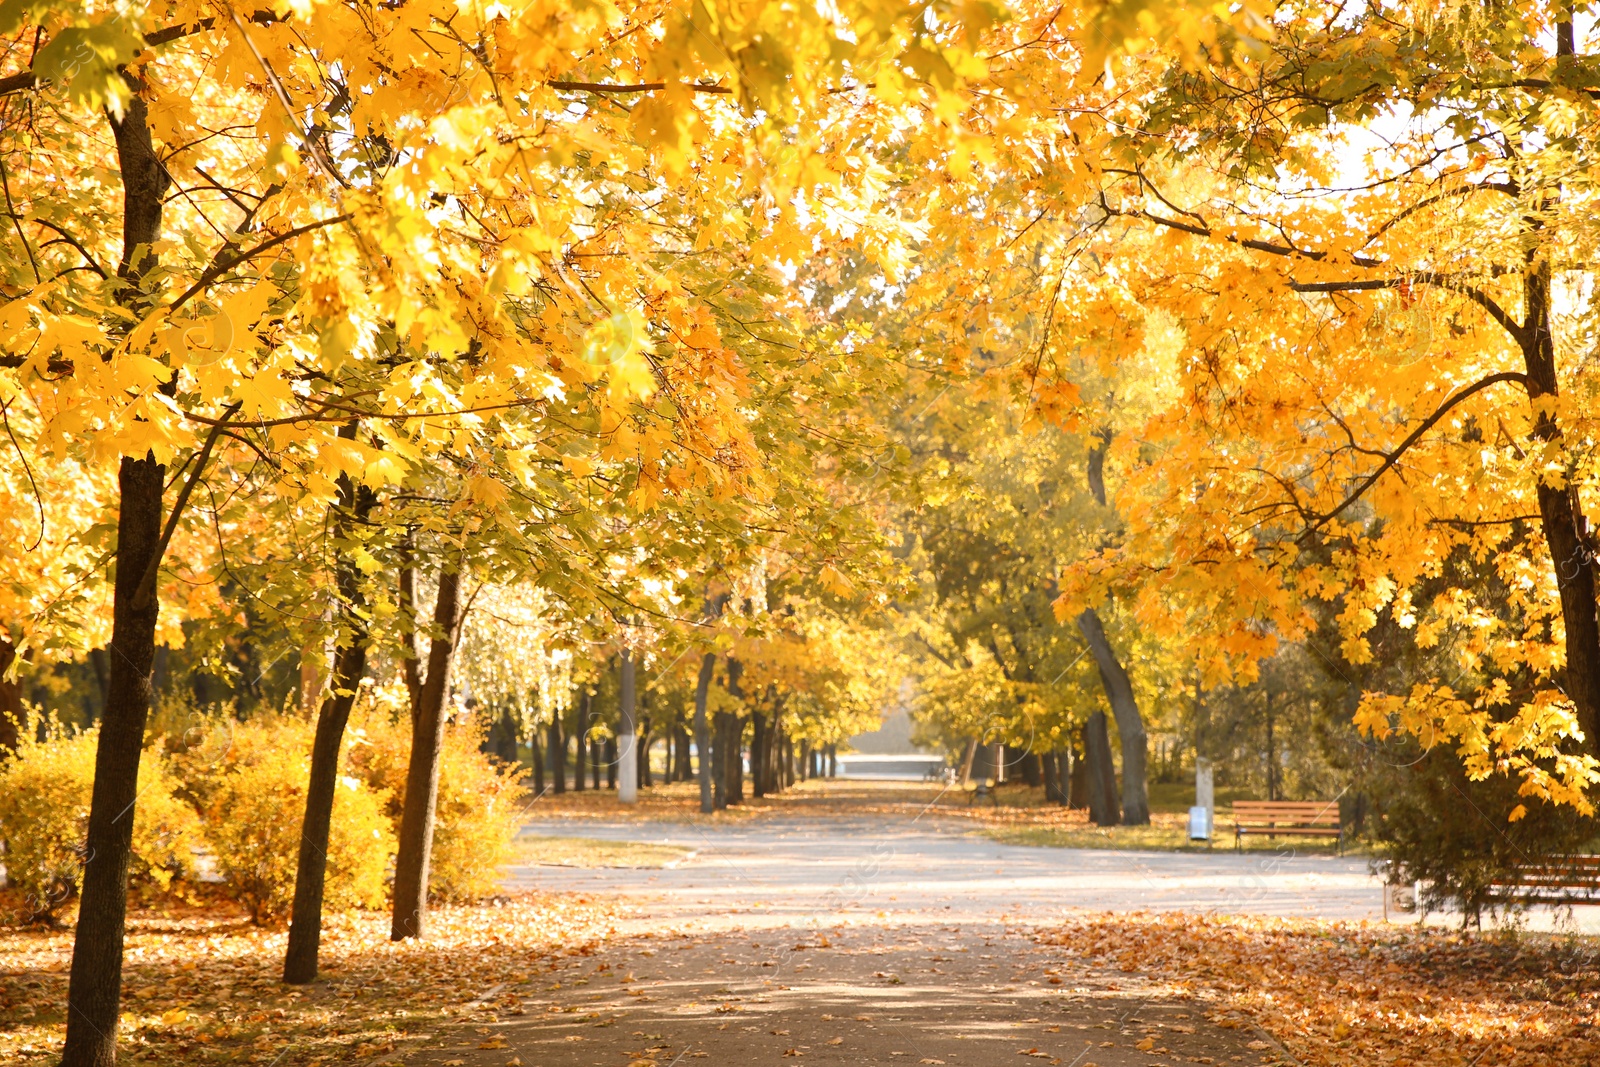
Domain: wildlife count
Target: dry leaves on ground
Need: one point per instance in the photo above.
(204, 987)
(1340, 994)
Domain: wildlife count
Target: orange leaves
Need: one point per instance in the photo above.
(1346, 994)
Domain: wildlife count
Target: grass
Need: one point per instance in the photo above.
(1166, 833)
(592, 852)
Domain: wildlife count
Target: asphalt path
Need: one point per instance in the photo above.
(819, 869)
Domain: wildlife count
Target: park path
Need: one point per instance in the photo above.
(831, 940)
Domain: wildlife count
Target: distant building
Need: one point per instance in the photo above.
(888, 752)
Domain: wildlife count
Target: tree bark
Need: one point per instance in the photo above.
(682, 770)
(1102, 776)
(702, 732)
(627, 741)
(1566, 527)
(1130, 724)
(10, 697)
(1078, 782)
(557, 746)
(417, 816)
(95, 989)
(349, 665)
(536, 755)
(581, 756)
(759, 731)
(967, 760)
(1049, 777)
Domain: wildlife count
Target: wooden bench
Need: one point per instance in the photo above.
(983, 791)
(1555, 880)
(1287, 818)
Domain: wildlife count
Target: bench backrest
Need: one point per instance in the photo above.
(1560, 872)
(1288, 812)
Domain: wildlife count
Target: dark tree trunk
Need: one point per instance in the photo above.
(1032, 772)
(1050, 775)
(505, 739)
(597, 759)
(1130, 724)
(536, 755)
(1272, 750)
(422, 770)
(349, 665)
(1565, 526)
(95, 989)
(611, 763)
(736, 759)
(580, 758)
(1078, 783)
(10, 697)
(684, 770)
(627, 729)
(759, 780)
(833, 761)
(558, 756)
(1102, 775)
(702, 733)
(645, 741)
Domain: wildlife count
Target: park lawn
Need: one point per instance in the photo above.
(202, 986)
(1166, 833)
(1354, 994)
(538, 851)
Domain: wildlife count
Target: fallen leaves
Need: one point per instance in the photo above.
(204, 985)
(1346, 994)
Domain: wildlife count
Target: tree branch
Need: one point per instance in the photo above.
(1412, 438)
(27, 79)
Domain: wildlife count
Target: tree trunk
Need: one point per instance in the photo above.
(627, 742)
(95, 990)
(611, 762)
(557, 746)
(349, 665)
(684, 770)
(759, 731)
(536, 754)
(1032, 770)
(581, 756)
(1566, 528)
(1102, 775)
(1272, 753)
(597, 759)
(1078, 782)
(967, 761)
(10, 697)
(1130, 724)
(422, 770)
(1049, 772)
(702, 732)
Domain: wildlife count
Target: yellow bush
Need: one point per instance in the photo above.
(255, 802)
(45, 789)
(479, 801)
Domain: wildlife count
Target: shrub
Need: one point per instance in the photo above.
(45, 789)
(1459, 838)
(479, 799)
(255, 802)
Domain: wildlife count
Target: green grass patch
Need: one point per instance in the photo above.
(593, 852)
(1161, 836)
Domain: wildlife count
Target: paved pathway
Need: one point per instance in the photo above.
(819, 869)
(833, 941)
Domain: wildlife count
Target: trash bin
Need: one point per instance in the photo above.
(1199, 824)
